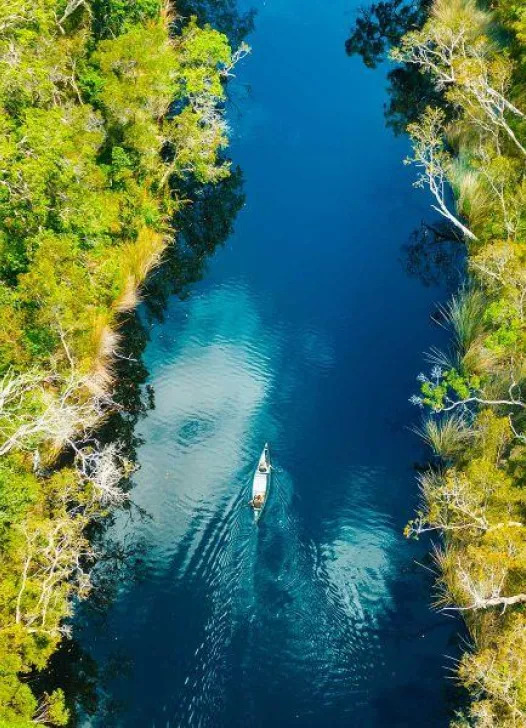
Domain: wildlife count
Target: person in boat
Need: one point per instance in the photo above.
(257, 501)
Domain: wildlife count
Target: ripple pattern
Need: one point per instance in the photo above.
(227, 607)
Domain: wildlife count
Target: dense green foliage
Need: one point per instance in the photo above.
(107, 110)
(474, 492)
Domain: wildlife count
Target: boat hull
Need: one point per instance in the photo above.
(261, 484)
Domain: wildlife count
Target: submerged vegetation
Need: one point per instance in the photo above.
(109, 111)
(469, 136)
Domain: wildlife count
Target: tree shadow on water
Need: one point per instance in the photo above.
(222, 15)
(434, 255)
(203, 223)
(379, 27)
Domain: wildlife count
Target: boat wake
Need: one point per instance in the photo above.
(272, 590)
(244, 624)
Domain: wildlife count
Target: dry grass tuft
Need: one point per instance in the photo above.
(453, 13)
(105, 341)
(463, 315)
(138, 260)
(129, 298)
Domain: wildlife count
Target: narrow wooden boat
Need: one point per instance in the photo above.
(261, 483)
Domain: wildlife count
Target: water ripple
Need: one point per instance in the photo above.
(240, 595)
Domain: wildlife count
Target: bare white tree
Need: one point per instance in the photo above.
(36, 409)
(56, 412)
(512, 401)
(486, 591)
(456, 506)
(56, 553)
(485, 677)
(105, 469)
(14, 13)
(447, 403)
(430, 157)
(238, 55)
(463, 62)
(70, 8)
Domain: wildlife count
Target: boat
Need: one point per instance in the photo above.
(261, 483)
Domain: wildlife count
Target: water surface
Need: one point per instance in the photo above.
(306, 332)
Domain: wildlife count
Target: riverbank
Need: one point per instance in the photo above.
(105, 112)
(471, 134)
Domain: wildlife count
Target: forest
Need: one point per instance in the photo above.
(109, 110)
(463, 65)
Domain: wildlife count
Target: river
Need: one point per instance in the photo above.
(307, 332)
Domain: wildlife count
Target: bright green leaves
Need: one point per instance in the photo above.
(17, 701)
(199, 132)
(37, 61)
(113, 17)
(56, 712)
(506, 326)
(97, 176)
(205, 54)
(198, 135)
(18, 490)
(445, 387)
(137, 89)
(460, 385)
(74, 169)
(11, 331)
(55, 294)
(122, 167)
(52, 180)
(434, 394)
(13, 257)
(137, 86)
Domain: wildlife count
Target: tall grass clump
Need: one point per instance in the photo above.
(445, 435)
(464, 316)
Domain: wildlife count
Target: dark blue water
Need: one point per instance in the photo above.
(306, 332)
